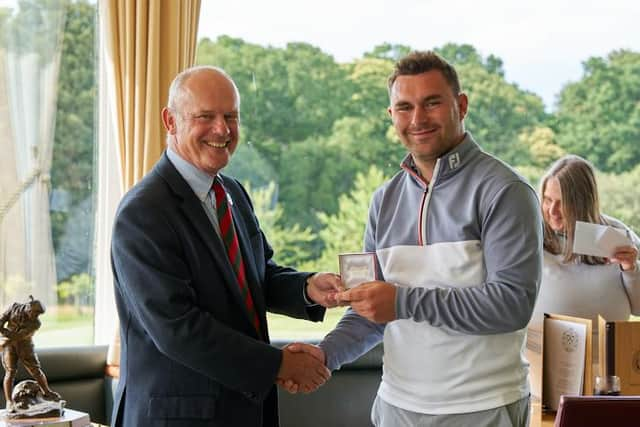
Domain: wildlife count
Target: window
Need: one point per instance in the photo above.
(47, 99)
(316, 137)
(316, 140)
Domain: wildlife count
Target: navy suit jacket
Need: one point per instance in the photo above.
(190, 355)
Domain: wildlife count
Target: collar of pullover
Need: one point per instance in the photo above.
(448, 164)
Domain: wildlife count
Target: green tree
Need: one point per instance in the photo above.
(531, 173)
(542, 146)
(77, 289)
(499, 111)
(619, 196)
(73, 150)
(388, 51)
(465, 54)
(288, 94)
(315, 173)
(313, 124)
(291, 244)
(343, 231)
(30, 27)
(249, 165)
(598, 117)
(369, 97)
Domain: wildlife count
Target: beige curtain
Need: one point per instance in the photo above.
(149, 42)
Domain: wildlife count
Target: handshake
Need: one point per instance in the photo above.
(303, 368)
(303, 365)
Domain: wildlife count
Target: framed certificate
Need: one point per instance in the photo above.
(357, 268)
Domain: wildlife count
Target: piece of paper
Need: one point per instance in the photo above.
(564, 359)
(598, 240)
(357, 268)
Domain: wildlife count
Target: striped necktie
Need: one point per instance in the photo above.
(230, 239)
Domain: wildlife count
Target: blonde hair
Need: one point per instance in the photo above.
(580, 202)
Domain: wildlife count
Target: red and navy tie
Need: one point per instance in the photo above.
(230, 239)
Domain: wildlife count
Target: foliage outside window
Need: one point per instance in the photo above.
(316, 139)
(316, 142)
(69, 316)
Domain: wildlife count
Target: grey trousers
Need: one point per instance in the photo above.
(515, 414)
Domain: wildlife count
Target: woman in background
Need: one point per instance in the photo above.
(582, 285)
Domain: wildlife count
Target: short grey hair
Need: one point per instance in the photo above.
(176, 90)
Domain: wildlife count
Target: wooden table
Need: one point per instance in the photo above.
(539, 418)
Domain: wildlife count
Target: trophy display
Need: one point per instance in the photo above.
(31, 398)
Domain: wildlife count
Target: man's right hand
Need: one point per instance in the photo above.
(303, 349)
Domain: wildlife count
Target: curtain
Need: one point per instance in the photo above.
(30, 48)
(148, 43)
(151, 41)
(109, 189)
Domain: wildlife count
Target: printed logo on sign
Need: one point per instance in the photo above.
(454, 161)
(570, 340)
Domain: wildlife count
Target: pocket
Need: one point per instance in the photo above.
(181, 407)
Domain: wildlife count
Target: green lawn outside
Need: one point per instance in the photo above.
(65, 326)
(286, 328)
(69, 336)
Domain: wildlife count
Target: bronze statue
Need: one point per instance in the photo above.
(26, 394)
(17, 326)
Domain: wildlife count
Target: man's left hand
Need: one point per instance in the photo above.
(322, 288)
(375, 301)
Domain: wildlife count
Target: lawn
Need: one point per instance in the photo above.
(286, 328)
(64, 326)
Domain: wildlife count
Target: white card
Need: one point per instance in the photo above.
(598, 240)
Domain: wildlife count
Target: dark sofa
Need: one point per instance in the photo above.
(344, 401)
(78, 374)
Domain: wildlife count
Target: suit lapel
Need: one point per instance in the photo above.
(195, 214)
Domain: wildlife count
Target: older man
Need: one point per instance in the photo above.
(194, 277)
